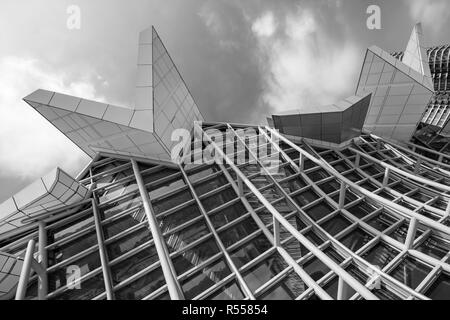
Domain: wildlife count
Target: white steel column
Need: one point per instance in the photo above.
(43, 278)
(102, 251)
(166, 264)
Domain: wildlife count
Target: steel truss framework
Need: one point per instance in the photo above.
(370, 221)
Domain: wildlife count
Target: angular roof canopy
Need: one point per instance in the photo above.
(53, 191)
(415, 55)
(400, 93)
(163, 103)
(333, 124)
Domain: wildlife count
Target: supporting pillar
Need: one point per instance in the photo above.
(387, 173)
(240, 186)
(25, 273)
(276, 232)
(166, 264)
(411, 233)
(357, 160)
(342, 192)
(43, 278)
(102, 251)
(302, 162)
(417, 166)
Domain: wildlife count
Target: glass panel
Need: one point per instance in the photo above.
(238, 232)
(356, 239)
(227, 215)
(319, 211)
(178, 218)
(411, 272)
(129, 267)
(218, 199)
(315, 268)
(250, 251)
(89, 290)
(229, 292)
(129, 242)
(210, 185)
(204, 279)
(264, 271)
(380, 255)
(287, 289)
(124, 223)
(80, 224)
(434, 247)
(440, 289)
(58, 278)
(180, 239)
(195, 256)
(336, 225)
(142, 287)
(361, 210)
(71, 248)
(382, 221)
(305, 198)
(172, 201)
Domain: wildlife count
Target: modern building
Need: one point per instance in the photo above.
(352, 211)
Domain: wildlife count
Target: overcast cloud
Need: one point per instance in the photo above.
(242, 60)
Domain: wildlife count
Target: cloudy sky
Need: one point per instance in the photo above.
(241, 59)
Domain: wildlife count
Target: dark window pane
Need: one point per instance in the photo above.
(411, 272)
(264, 271)
(129, 267)
(238, 232)
(229, 292)
(129, 242)
(178, 240)
(124, 223)
(250, 251)
(178, 218)
(217, 200)
(227, 215)
(440, 289)
(380, 255)
(58, 278)
(172, 201)
(72, 248)
(336, 225)
(142, 287)
(356, 239)
(204, 279)
(287, 289)
(319, 211)
(195, 256)
(89, 289)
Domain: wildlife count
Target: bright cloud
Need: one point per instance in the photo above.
(434, 14)
(305, 66)
(29, 145)
(265, 26)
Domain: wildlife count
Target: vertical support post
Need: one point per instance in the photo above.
(101, 248)
(302, 162)
(387, 173)
(25, 273)
(166, 264)
(342, 192)
(43, 278)
(276, 232)
(411, 233)
(344, 290)
(357, 160)
(240, 186)
(417, 166)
